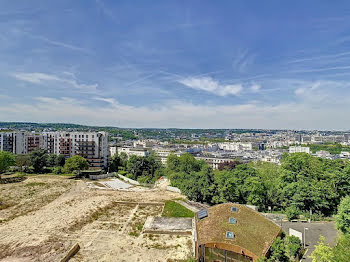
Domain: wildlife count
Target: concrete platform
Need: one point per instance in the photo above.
(168, 225)
(116, 184)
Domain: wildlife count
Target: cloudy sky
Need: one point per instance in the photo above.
(186, 64)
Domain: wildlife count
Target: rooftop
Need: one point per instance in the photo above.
(251, 230)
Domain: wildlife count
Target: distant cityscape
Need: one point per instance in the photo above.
(99, 144)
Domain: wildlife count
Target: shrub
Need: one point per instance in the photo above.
(343, 216)
(58, 170)
(7, 159)
(292, 213)
(293, 246)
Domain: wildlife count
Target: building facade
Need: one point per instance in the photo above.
(93, 146)
(299, 149)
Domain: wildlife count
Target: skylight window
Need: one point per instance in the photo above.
(234, 209)
(202, 213)
(232, 220)
(230, 235)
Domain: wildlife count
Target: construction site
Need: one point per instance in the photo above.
(55, 218)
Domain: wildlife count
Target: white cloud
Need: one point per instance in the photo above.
(209, 85)
(176, 114)
(41, 78)
(255, 88)
(35, 78)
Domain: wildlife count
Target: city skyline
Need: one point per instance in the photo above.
(172, 64)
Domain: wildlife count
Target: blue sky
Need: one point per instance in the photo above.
(186, 64)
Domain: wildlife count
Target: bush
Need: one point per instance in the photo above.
(343, 216)
(7, 159)
(292, 213)
(75, 163)
(123, 173)
(293, 246)
(58, 170)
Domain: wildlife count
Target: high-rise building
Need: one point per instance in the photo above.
(93, 146)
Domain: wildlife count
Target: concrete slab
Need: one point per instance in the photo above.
(116, 184)
(168, 225)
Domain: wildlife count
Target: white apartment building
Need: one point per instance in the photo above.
(113, 150)
(235, 146)
(299, 149)
(323, 154)
(6, 141)
(93, 146)
(144, 143)
(214, 162)
(163, 153)
(20, 142)
(129, 151)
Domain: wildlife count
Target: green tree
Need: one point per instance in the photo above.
(189, 164)
(293, 247)
(75, 163)
(22, 161)
(114, 164)
(341, 251)
(343, 216)
(292, 212)
(322, 252)
(123, 159)
(278, 251)
(60, 160)
(7, 159)
(38, 160)
(51, 160)
(173, 163)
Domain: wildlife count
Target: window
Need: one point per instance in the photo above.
(230, 235)
(234, 209)
(202, 213)
(232, 220)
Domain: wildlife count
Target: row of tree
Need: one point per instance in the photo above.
(143, 169)
(40, 161)
(302, 183)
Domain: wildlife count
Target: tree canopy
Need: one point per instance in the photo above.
(7, 159)
(343, 216)
(75, 163)
(38, 160)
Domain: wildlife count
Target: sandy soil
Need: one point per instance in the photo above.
(44, 225)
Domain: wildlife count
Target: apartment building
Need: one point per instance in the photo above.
(17, 142)
(236, 146)
(299, 149)
(213, 161)
(93, 146)
(129, 151)
(7, 141)
(163, 154)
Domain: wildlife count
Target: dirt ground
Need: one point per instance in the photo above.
(44, 216)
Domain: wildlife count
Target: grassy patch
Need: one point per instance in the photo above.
(33, 184)
(174, 209)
